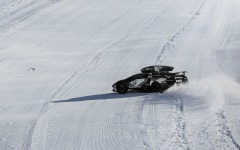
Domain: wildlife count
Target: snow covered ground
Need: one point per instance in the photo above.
(59, 58)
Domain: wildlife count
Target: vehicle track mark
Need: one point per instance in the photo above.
(25, 14)
(224, 128)
(5, 7)
(178, 138)
(169, 46)
(149, 130)
(108, 24)
(155, 18)
(155, 128)
(220, 50)
(215, 133)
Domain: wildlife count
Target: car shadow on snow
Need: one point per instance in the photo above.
(107, 96)
(170, 99)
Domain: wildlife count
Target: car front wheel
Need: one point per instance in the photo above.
(121, 88)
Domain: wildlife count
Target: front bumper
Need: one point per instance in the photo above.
(114, 87)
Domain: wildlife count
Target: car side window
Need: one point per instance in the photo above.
(133, 83)
(159, 79)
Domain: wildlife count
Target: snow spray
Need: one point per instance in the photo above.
(214, 91)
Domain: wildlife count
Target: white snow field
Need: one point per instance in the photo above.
(59, 59)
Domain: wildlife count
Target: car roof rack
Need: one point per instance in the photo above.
(156, 69)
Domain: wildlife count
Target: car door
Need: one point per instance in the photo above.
(138, 81)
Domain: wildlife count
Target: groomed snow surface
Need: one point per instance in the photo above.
(59, 58)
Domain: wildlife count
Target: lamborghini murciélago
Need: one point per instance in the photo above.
(151, 79)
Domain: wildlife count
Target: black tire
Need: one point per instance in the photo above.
(156, 87)
(121, 88)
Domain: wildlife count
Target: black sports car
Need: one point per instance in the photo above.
(152, 79)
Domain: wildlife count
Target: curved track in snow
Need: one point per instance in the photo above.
(58, 60)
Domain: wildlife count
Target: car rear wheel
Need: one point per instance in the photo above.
(156, 87)
(121, 88)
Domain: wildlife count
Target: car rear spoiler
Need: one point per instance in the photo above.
(178, 77)
(179, 73)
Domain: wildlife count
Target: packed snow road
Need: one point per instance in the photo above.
(58, 60)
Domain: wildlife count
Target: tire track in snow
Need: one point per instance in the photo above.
(108, 24)
(150, 131)
(215, 133)
(224, 129)
(177, 138)
(217, 52)
(6, 6)
(169, 46)
(24, 13)
(42, 123)
(166, 131)
(155, 18)
(221, 51)
(44, 109)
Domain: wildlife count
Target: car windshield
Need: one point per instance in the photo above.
(131, 77)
